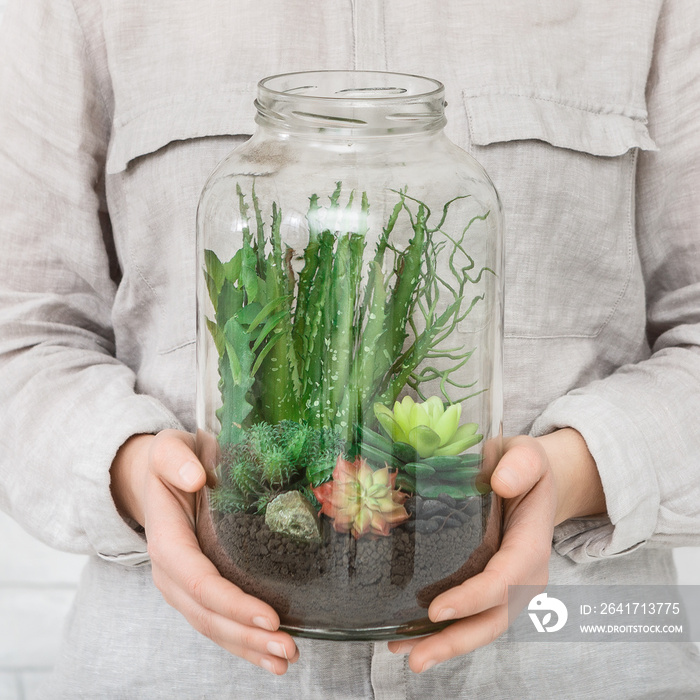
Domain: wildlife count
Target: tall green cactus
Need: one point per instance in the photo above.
(319, 347)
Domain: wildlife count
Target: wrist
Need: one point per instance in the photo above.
(127, 477)
(577, 482)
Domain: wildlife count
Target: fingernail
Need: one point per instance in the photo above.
(428, 665)
(263, 623)
(508, 478)
(189, 473)
(268, 665)
(403, 648)
(446, 614)
(277, 649)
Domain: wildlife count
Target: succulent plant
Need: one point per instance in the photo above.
(458, 476)
(430, 428)
(361, 500)
(271, 459)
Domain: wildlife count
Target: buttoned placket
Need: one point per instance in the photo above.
(369, 35)
(388, 673)
(387, 670)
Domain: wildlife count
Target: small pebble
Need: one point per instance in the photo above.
(447, 500)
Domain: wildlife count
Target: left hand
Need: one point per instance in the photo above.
(153, 481)
(544, 481)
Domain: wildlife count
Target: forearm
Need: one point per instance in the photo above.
(67, 412)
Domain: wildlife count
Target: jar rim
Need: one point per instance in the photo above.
(381, 92)
(363, 102)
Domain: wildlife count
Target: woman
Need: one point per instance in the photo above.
(111, 116)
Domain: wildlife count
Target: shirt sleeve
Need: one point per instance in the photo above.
(66, 403)
(641, 424)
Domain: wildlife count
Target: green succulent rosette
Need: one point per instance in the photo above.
(430, 428)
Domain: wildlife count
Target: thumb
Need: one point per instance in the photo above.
(174, 461)
(523, 464)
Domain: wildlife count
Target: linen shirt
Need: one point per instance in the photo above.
(585, 114)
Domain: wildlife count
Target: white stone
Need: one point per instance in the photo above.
(291, 514)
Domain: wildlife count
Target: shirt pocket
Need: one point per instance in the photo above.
(566, 175)
(158, 162)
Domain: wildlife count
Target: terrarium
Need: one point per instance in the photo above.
(349, 392)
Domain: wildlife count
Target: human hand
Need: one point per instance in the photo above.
(154, 481)
(544, 481)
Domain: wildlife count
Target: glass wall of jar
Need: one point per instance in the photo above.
(349, 356)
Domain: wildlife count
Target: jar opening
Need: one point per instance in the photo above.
(365, 102)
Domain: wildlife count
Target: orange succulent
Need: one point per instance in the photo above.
(361, 500)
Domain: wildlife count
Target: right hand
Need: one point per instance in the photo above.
(154, 481)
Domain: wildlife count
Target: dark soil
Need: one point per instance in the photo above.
(343, 583)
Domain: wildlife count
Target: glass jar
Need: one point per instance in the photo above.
(349, 397)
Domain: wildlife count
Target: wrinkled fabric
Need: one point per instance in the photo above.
(585, 114)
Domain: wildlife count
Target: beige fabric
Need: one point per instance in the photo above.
(585, 114)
